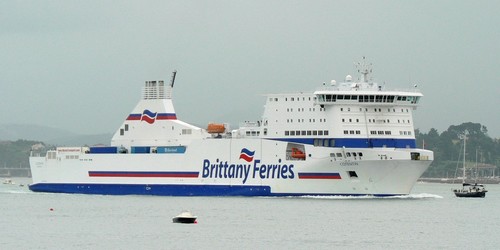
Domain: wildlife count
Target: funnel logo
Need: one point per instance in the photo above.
(151, 117)
(148, 116)
(246, 155)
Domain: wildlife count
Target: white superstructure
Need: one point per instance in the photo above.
(349, 138)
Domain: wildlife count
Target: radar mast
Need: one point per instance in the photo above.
(364, 69)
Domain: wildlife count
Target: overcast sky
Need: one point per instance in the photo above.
(81, 65)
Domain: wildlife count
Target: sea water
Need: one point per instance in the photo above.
(431, 217)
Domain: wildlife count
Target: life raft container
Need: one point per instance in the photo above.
(216, 128)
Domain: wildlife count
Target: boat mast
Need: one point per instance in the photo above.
(465, 140)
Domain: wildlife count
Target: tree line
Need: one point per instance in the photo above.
(448, 148)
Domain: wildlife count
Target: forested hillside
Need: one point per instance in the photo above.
(448, 148)
(15, 154)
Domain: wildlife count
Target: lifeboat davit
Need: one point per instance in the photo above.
(216, 128)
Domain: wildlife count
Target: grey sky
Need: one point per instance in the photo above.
(80, 65)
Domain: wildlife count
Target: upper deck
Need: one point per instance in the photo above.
(358, 113)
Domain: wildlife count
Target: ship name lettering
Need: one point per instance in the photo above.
(349, 163)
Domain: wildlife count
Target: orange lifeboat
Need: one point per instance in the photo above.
(298, 154)
(216, 128)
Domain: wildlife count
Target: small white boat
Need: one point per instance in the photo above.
(185, 217)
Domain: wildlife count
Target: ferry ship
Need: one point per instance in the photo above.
(349, 138)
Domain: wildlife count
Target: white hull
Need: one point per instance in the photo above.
(374, 175)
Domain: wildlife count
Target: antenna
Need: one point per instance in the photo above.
(173, 78)
(364, 68)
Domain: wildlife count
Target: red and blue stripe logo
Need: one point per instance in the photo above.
(163, 174)
(150, 117)
(330, 176)
(246, 155)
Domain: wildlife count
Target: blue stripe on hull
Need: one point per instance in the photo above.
(174, 190)
(155, 189)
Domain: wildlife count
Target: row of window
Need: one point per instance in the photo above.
(373, 132)
(303, 109)
(352, 132)
(252, 133)
(324, 142)
(275, 99)
(375, 110)
(387, 132)
(368, 98)
(359, 98)
(72, 157)
(346, 132)
(347, 154)
(305, 132)
(373, 120)
(303, 120)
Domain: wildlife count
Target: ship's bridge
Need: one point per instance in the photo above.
(365, 92)
(400, 98)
